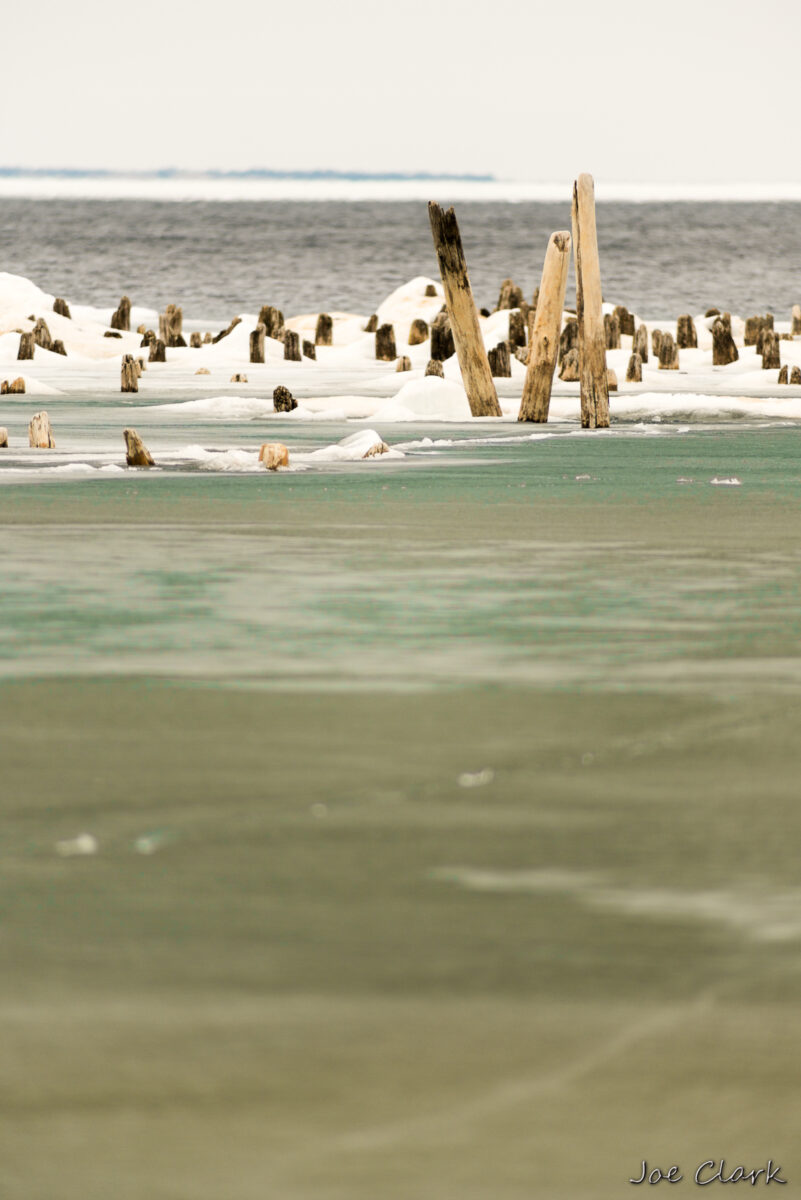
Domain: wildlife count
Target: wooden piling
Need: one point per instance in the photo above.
(589, 308)
(121, 317)
(26, 345)
(724, 350)
(385, 349)
(442, 343)
(196, 340)
(42, 335)
(668, 353)
(404, 364)
(158, 351)
(129, 378)
(283, 400)
(273, 321)
(324, 330)
(795, 375)
(435, 367)
(58, 347)
(308, 349)
(418, 332)
(771, 357)
(257, 344)
(13, 387)
(795, 328)
(470, 350)
(372, 324)
(517, 328)
(136, 452)
(511, 296)
(545, 339)
(40, 435)
(569, 368)
(61, 307)
(686, 335)
(292, 346)
(639, 344)
(500, 361)
(611, 331)
(634, 369)
(625, 320)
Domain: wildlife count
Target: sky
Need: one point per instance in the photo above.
(690, 90)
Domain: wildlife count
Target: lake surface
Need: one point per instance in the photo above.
(217, 259)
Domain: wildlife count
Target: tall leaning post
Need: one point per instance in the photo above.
(589, 308)
(546, 329)
(470, 350)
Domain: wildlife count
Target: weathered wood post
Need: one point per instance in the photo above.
(510, 295)
(500, 361)
(625, 320)
(26, 345)
(634, 369)
(536, 399)
(40, 435)
(283, 400)
(795, 328)
(771, 357)
(158, 351)
(434, 367)
(196, 340)
(589, 308)
(404, 364)
(569, 367)
(517, 328)
(470, 350)
(795, 375)
(42, 335)
(442, 344)
(385, 349)
(121, 317)
(686, 335)
(292, 346)
(724, 350)
(640, 343)
(173, 325)
(611, 331)
(656, 341)
(257, 344)
(308, 349)
(61, 307)
(324, 330)
(273, 320)
(418, 332)
(129, 375)
(136, 452)
(668, 353)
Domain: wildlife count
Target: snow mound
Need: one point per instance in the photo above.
(433, 397)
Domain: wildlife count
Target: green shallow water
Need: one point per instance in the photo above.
(446, 818)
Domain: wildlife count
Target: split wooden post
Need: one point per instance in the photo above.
(686, 335)
(639, 344)
(26, 345)
(61, 307)
(589, 308)
(724, 350)
(536, 400)
(292, 346)
(500, 361)
(385, 348)
(470, 349)
(121, 317)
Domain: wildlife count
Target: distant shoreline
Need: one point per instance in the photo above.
(324, 185)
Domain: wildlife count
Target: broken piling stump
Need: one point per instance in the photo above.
(517, 328)
(273, 321)
(16, 387)
(656, 341)
(442, 344)
(470, 350)
(309, 350)
(404, 364)
(26, 345)
(385, 343)
(40, 435)
(510, 296)
(129, 381)
(158, 351)
(283, 400)
(121, 317)
(625, 320)
(568, 339)
(611, 379)
(611, 331)
(239, 378)
(640, 343)
(225, 332)
(435, 367)
(771, 357)
(195, 340)
(61, 307)
(58, 347)
(795, 324)
(372, 324)
(42, 335)
(589, 308)
(418, 332)
(291, 346)
(795, 375)
(500, 361)
(686, 335)
(783, 375)
(273, 455)
(724, 350)
(634, 369)
(136, 452)
(545, 331)
(430, 291)
(569, 369)
(668, 353)
(257, 344)
(324, 331)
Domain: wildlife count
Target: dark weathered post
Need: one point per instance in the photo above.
(435, 367)
(625, 320)
(26, 345)
(61, 307)
(511, 296)
(500, 361)
(292, 346)
(640, 343)
(589, 308)
(324, 330)
(634, 369)
(308, 349)
(385, 349)
(517, 328)
(418, 332)
(795, 328)
(442, 344)
(724, 350)
(273, 321)
(569, 369)
(121, 317)
(536, 399)
(470, 350)
(283, 400)
(158, 351)
(686, 335)
(257, 344)
(668, 353)
(771, 358)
